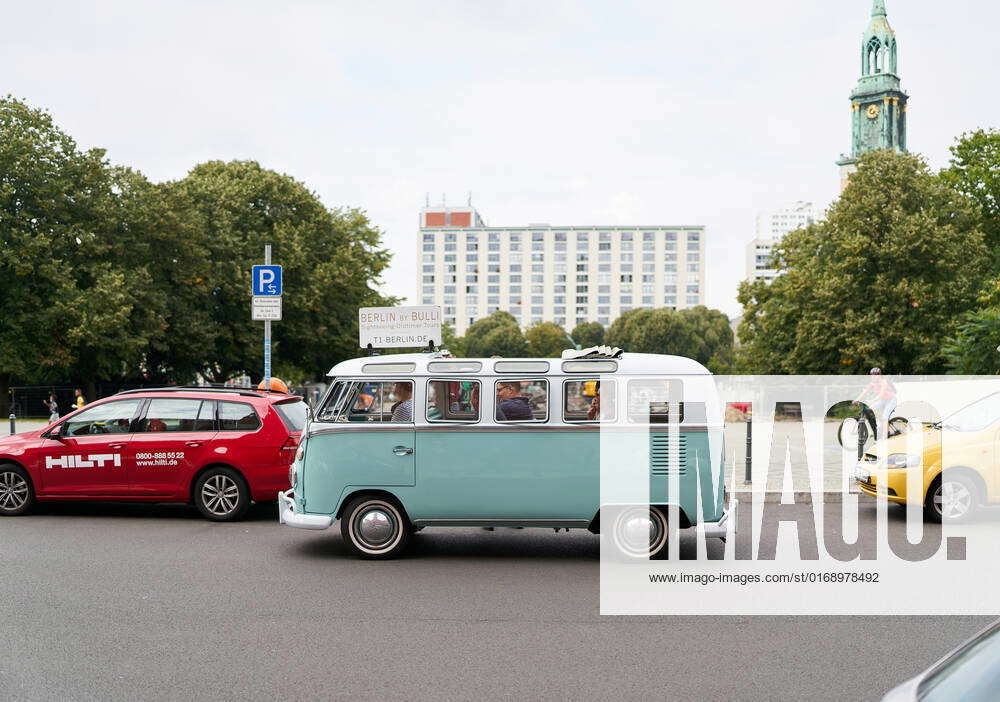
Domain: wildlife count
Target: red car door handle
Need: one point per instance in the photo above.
(116, 446)
(192, 443)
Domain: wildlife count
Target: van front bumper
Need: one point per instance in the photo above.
(287, 514)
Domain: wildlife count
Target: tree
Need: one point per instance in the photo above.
(588, 334)
(69, 305)
(975, 173)
(661, 330)
(451, 341)
(496, 335)
(881, 282)
(973, 348)
(713, 337)
(546, 340)
(331, 260)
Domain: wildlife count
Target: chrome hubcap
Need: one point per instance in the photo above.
(13, 490)
(376, 527)
(953, 500)
(220, 494)
(640, 531)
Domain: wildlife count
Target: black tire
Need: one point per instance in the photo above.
(375, 527)
(862, 428)
(17, 493)
(962, 502)
(221, 494)
(628, 535)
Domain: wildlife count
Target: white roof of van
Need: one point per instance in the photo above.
(628, 364)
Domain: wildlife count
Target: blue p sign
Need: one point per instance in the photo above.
(267, 281)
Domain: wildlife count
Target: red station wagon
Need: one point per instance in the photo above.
(218, 448)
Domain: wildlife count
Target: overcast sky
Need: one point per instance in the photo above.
(570, 113)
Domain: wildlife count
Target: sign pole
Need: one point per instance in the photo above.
(267, 332)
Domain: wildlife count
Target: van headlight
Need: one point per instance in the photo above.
(293, 475)
(902, 460)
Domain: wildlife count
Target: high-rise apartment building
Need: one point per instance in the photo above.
(542, 273)
(771, 226)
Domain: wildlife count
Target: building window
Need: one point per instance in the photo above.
(626, 246)
(626, 236)
(428, 258)
(539, 246)
(693, 267)
(692, 299)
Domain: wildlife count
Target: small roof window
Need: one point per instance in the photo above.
(455, 366)
(521, 366)
(595, 366)
(388, 368)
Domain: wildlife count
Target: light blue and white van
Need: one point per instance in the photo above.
(403, 442)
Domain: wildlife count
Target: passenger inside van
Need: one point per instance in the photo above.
(511, 404)
(402, 410)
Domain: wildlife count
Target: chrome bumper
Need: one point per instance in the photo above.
(725, 526)
(287, 515)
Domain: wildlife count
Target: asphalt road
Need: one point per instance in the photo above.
(151, 602)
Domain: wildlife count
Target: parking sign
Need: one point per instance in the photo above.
(267, 281)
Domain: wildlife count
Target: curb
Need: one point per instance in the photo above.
(800, 497)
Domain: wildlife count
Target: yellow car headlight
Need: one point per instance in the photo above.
(903, 460)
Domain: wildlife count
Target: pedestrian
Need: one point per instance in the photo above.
(53, 407)
(79, 401)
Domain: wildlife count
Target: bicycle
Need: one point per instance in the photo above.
(860, 429)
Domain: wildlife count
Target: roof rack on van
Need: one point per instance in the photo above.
(196, 388)
(593, 352)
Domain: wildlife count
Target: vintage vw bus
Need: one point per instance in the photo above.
(403, 442)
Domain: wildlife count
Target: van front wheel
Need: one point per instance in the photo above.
(375, 528)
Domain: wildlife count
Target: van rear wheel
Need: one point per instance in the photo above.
(375, 528)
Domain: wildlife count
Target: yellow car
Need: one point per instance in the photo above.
(958, 465)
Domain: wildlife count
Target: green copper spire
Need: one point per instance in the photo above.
(878, 103)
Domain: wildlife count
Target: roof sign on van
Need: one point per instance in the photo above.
(594, 366)
(455, 366)
(388, 368)
(521, 366)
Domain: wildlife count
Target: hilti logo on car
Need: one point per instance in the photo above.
(94, 460)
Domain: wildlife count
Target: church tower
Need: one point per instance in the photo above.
(878, 103)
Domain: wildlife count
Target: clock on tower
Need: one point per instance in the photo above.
(878, 103)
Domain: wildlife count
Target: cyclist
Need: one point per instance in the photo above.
(880, 396)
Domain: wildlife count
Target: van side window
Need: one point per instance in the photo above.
(585, 400)
(522, 400)
(370, 401)
(655, 401)
(237, 416)
(453, 400)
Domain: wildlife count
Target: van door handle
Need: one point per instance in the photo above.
(116, 446)
(401, 450)
(192, 443)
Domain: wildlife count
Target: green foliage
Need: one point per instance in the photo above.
(698, 333)
(71, 304)
(496, 335)
(451, 341)
(975, 172)
(329, 260)
(106, 276)
(546, 340)
(881, 282)
(588, 334)
(973, 348)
